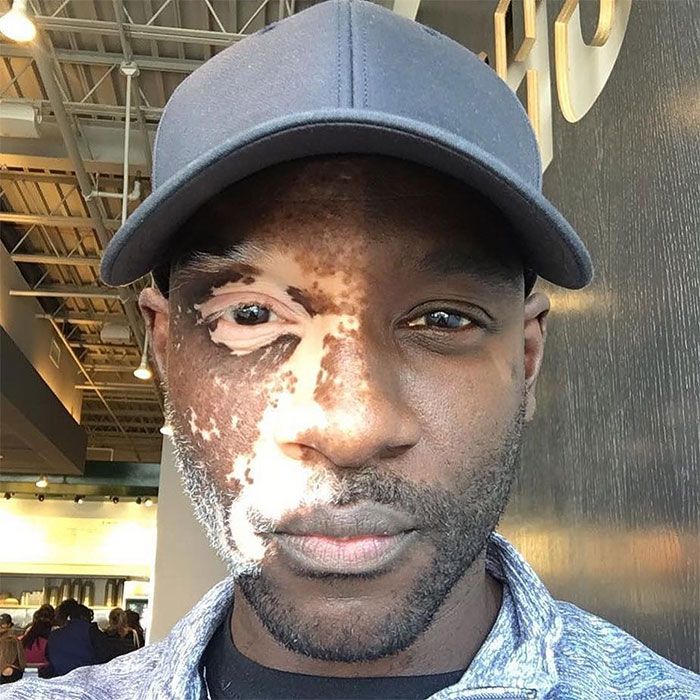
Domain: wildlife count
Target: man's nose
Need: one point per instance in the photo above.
(358, 411)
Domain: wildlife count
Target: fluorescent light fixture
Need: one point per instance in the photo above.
(42, 482)
(16, 25)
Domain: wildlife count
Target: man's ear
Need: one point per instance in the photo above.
(535, 334)
(156, 314)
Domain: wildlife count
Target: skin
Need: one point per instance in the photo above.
(352, 389)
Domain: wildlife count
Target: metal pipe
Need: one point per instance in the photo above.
(127, 131)
(128, 52)
(131, 196)
(86, 186)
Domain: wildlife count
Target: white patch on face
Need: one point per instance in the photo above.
(207, 434)
(271, 482)
(274, 484)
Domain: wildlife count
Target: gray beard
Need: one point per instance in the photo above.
(459, 522)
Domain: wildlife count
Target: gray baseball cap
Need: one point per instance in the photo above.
(346, 76)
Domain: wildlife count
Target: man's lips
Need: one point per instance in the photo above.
(344, 540)
(358, 520)
(349, 555)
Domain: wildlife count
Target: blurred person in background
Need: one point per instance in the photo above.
(6, 624)
(70, 646)
(121, 639)
(12, 661)
(36, 637)
(133, 619)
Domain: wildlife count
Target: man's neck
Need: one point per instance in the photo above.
(451, 642)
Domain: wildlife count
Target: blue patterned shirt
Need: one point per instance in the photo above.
(538, 649)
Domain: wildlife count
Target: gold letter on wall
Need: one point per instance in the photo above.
(530, 62)
(583, 69)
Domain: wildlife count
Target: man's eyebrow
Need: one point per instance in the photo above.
(453, 261)
(205, 264)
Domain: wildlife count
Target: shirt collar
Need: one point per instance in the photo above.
(517, 653)
(519, 650)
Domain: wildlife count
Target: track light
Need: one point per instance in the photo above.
(166, 429)
(8, 495)
(148, 502)
(115, 499)
(143, 371)
(16, 25)
(40, 497)
(79, 499)
(42, 482)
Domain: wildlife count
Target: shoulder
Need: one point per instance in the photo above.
(595, 659)
(124, 678)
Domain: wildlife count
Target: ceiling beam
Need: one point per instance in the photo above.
(116, 386)
(14, 155)
(58, 221)
(97, 58)
(128, 413)
(109, 368)
(69, 291)
(41, 259)
(102, 346)
(91, 109)
(26, 176)
(78, 319)
(137, 31)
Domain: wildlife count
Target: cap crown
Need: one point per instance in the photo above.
(340, 55)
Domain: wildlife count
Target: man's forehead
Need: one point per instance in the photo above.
(373, 205)
(343, 177)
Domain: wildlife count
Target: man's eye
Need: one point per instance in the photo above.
(450, 320)
(249, 315)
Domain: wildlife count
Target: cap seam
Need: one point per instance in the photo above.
(352, 54)
(338, 52)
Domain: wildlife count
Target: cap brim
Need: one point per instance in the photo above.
(546, 241)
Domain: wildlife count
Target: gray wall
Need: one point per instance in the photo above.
(607, 508)
(185, 566)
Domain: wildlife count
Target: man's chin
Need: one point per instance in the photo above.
(344, 625)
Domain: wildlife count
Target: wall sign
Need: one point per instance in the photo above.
(581, 69)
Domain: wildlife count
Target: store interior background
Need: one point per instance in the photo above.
(606, 508)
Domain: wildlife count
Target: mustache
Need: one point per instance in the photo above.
(429, 508)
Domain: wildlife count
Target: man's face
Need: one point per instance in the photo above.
(347, 390)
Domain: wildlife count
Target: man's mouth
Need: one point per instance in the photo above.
(359, 539)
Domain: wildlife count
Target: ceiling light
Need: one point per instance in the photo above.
(8, 495)
(115, 499)
(79, 499)
(148, 502)
(143, 371)
(138, 500)
(166, 429)
(40, 497)
(16, 25)
(42, 482)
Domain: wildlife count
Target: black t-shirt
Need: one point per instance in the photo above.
(230, 675)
